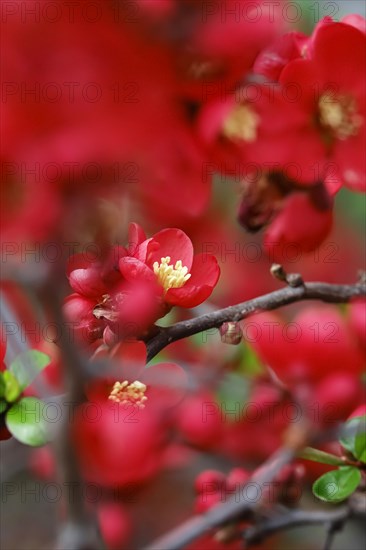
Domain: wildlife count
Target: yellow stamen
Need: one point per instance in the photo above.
(129, 394)
(339, 115)
(169, 275)
(242, 123)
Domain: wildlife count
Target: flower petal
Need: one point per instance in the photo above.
(170, 242)
(77, 261)
(349, 156)
(87, 282)
(133, 270)
(136, 235)
(340, 55)
(205, 274)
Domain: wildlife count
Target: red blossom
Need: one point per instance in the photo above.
(137, 285)
(126, 437)
(332, 104)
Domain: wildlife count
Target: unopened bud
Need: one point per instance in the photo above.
(278, 272)
(231, 333)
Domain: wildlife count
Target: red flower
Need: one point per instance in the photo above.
(181, 278)
(160, 386)
(331, 102)
(137, 285)
(121, 433)
(117, 445)
(311, 122)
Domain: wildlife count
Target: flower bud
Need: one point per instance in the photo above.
(231, 333)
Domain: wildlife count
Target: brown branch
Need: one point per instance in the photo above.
(288, 519)
(238, 507)
(288, 295)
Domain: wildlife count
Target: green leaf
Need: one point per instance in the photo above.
(25, 421)
(28, 365)
(12, 388)
(320, 456)
(354, 438)
(3, 405)
(337, 485)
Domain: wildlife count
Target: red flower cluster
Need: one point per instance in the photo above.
(298, 133)
(137, 285)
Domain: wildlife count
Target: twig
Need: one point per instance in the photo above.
(289, 519)
(333, 527)
(307, 291)
(238, 507)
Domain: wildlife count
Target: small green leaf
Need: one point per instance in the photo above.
(337, 485)
(28, 365)
(12, 388)
(3, 405)
(25, 421)
(355, 440)
(320, 456)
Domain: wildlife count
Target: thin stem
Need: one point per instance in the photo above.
(289, 519)
(288, 295)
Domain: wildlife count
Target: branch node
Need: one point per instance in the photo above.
(292, 279)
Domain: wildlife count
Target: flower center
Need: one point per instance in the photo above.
(129, 394)
(170, 276)
(339, 115)
(242, 123)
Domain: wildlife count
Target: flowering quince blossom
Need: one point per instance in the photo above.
(137, 285)
(332, 102)
(163, 385)
(314, 137)
(126, 441)
(323, 124)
